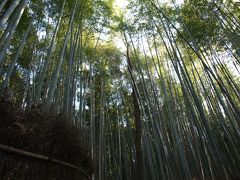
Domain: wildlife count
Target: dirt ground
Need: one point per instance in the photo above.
(49, 135)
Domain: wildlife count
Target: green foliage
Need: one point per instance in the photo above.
(199, 19)
(184, 70)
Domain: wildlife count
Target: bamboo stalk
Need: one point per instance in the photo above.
(13, 150)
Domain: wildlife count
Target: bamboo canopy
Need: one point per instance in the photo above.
(154, 84)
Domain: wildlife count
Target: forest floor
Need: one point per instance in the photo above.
(48, 135)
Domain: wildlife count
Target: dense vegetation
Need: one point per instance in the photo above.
(154, 85)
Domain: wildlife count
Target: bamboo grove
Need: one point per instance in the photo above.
(166, 106)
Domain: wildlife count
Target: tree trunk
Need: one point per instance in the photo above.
(3, 3)
(49, 53)
(7, 42)
(54, 80)
(10, 69)
(138, 126)
(7, 14)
